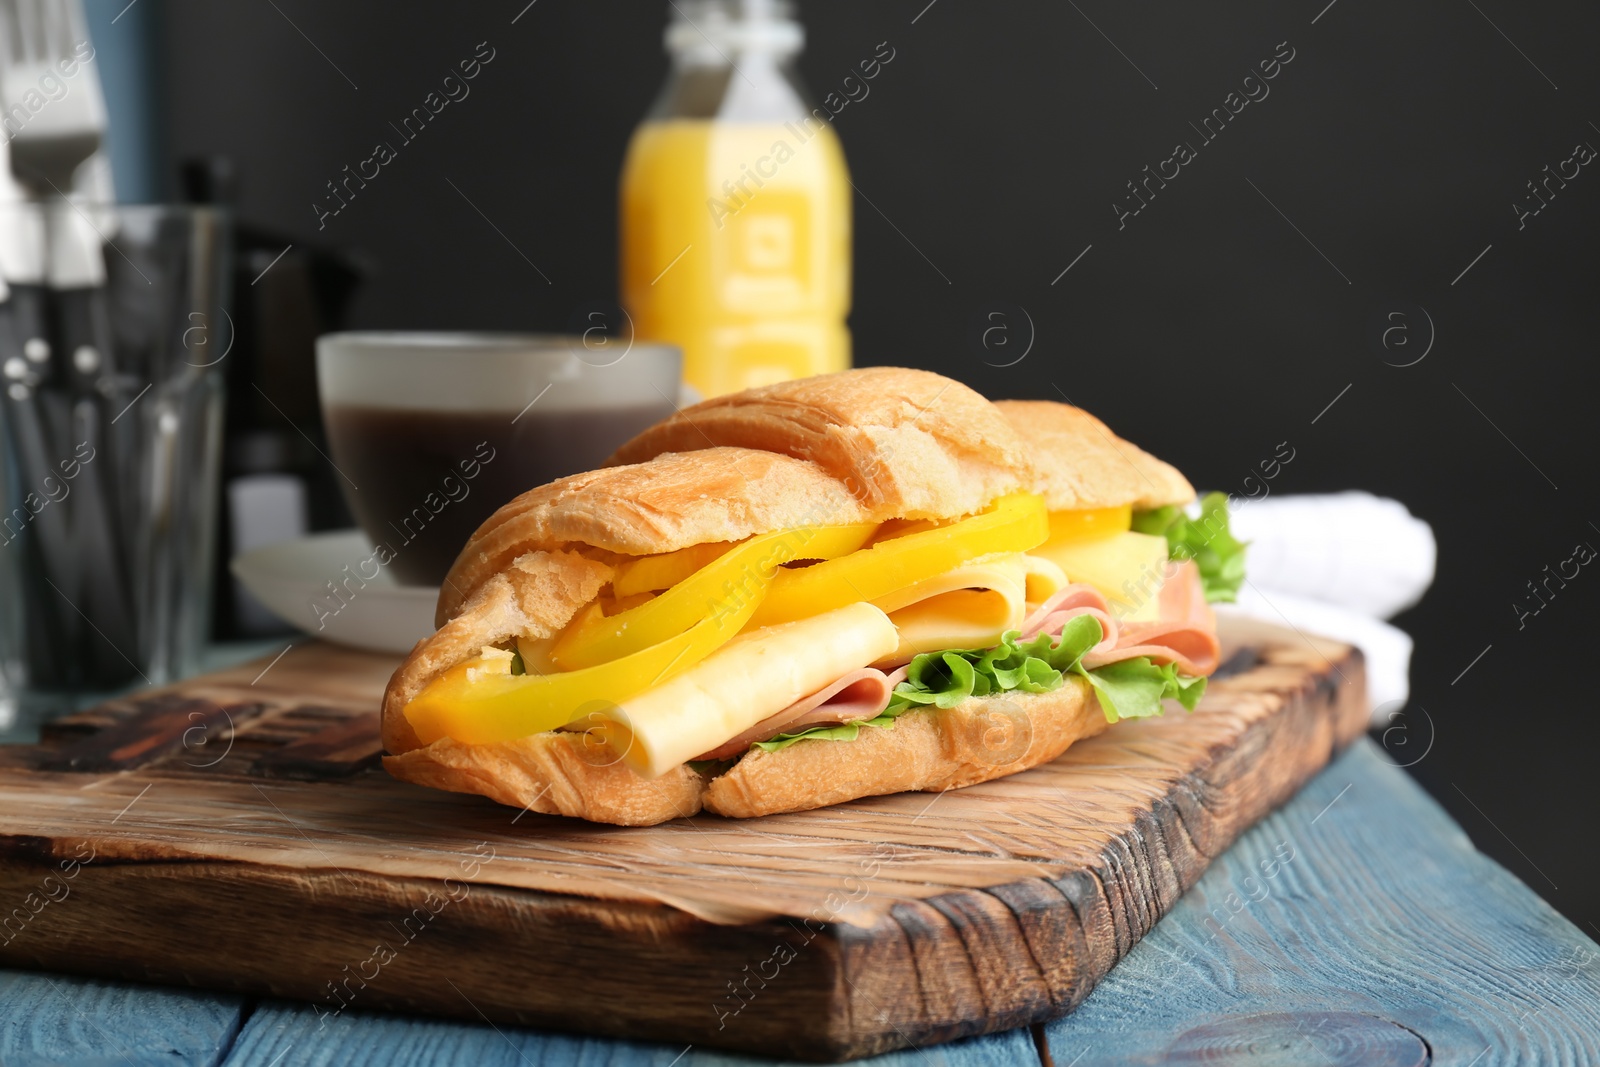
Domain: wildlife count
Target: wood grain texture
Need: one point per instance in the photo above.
(157, 728)
(346, 745)
(288, 1035)
(58, 1019)
(889, 921)
(1144, 1012)
(1384, 916)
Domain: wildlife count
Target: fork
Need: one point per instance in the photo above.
(63, 131)
(48, 146)
(51, 143)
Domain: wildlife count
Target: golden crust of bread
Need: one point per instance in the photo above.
(554, 773)
(1078, 462)
(568, 773)
(907, 443)
(858, 446)
(667, 503)
(927, 749)
(534, 597)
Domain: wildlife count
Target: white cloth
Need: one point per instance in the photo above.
(1352, 549)
(1338, 565)
(1387, 648)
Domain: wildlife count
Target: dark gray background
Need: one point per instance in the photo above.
(1208, 330)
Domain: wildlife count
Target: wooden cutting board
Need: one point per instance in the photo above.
(236, 832)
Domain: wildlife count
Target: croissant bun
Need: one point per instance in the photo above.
(858, 446)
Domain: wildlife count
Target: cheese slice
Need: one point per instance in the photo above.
(1045, 579)
(752, 677)
(1129, 568)
(969, 607)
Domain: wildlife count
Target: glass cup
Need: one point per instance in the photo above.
(431, 432)
(112, 329)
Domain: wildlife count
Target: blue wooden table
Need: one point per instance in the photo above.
(1358, 925)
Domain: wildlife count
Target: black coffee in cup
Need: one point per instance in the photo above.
(429, 479)
(433, 432)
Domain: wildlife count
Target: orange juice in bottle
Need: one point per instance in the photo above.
(736, 206)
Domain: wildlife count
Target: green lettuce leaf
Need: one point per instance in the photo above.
(847, 732)
(711, 768)
(945, 679)
(1132, 689)
(1205, 539)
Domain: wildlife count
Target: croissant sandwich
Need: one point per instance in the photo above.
(861, 583)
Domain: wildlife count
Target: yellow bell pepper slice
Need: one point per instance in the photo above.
(649, 574)
(1012, 524)
(1089, 524)
(480, 702)
(593, 638)
(901, 527)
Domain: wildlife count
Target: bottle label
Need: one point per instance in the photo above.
(764, 255)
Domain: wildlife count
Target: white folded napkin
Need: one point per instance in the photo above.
(1338, 564)
(1387, 648)
(1353, 549)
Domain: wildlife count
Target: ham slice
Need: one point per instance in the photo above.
(1185, 633)
(861, 694)
(1067, 604)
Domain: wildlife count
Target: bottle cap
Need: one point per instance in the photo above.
(719, 27)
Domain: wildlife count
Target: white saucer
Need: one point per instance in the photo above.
(377, 614)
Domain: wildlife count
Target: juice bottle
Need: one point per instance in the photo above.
(736, 206)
